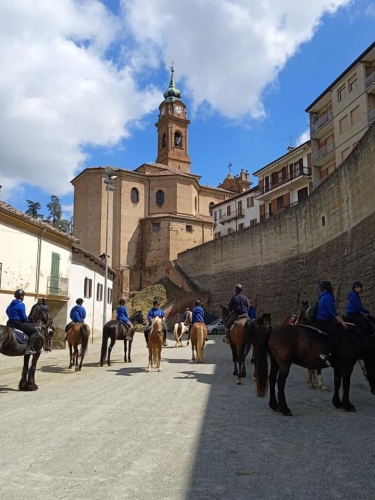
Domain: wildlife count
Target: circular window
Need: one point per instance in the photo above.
(134, 195)
(160, 198)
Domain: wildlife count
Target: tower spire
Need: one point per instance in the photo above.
(172, 93)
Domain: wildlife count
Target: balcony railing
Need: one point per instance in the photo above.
(371, 116)
(233, 215)
(370, 80)
(57, 285)
(288, 177)
(321, 121)
(279, 211)
(324, 151)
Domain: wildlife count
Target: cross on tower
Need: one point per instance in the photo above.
(230, 167)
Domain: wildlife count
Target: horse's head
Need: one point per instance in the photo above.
(139, 318)
(39, 316)
(157, 325)
(264, 321)
(187, 321)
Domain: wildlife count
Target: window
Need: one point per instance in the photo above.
(239, 208)
(344, 124)
(302, 194)
(355, 115)
(55, 273)
(217, 235)
(134, 195)
(215, 215)
(177, 139)
(228, 210)
(353, 83)
(241, 226)
(341, 93)
(230, 230)
(345, 153)
(323, 221)
(189, 228)
(109, 296)
(250, 202)
(164, 141)
(160, 198)
(253, 222)
(210, 207)
(195, 203)
(156, 227)
(280, 202)
(88, 288)
(219, 214)
(99, 292)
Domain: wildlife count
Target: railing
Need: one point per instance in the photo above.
(370, 80)
(57, 285)
(233, 215)
(289, 176)
(321, 121)
(268, 215)
(371, 116)
(323, 151)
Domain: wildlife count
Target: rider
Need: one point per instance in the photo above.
(152, 313)
(186, 313)
(251, 311)
(122, 314)
(197, 315)
(237, 306)
(77, 315)
(17, 318)
(328, 320)
(356, 313)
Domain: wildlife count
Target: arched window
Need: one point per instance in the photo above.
(210, 207)
(178, 139)
(134, 195)
(160, 198)
(164, 141)
(196, 203)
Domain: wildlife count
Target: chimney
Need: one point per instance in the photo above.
(290, 148)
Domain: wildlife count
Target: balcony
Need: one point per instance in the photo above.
(279, 211)
(371, 116)
(325, 153)
(57, 286)
(321, 121)
(370, 80)
(236, 214)
(296, 179)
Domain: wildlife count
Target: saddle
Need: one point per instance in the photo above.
(315, 333)
(19, 335)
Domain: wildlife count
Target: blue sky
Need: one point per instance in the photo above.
(84, 80)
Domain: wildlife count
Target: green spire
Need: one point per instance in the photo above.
(172, 93)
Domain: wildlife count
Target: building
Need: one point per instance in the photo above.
(157, 210)
(341, 115)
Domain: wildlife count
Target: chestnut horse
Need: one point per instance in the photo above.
(10, 346)
(181, 328)
(288, 344)
(245, 333)
(115, 330)
(77, 335)
(155, 344)
(312, 375)
(198, 337)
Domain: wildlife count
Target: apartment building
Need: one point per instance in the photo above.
(342, 114)
(284, 182)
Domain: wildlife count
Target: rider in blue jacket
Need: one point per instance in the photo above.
(77, 315)
(152, 313)
(17, 318)
(251, 310)
(122, 314)
(197, 315)
(356, 313)
(329, 320)
(237, 306)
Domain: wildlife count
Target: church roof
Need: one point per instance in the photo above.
(172, 93)
(193, 218)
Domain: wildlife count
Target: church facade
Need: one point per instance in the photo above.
(156, 211)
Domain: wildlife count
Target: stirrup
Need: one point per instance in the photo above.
(324, 357)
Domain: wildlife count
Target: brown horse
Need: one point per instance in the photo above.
(245, 333)
(155, 344)
(115, 330)
(198, 337)
(288, 344)
(77, 335)
(312, 375)
(181, 328)
(10, 346)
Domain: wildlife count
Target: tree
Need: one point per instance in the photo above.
(33, 209)
(64, 225)
(55, 210)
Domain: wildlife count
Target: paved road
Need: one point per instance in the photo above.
(188, 433)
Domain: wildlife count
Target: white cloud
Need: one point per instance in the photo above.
(305, 136)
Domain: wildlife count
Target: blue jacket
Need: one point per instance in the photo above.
(186, 313)
(122, 314)
(238, 304)
(78, 314)
(251, 312)
(354, 304)
(327, 307)
(197, 315)
(154, 311)
(17, 311)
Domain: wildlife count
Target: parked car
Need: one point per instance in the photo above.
(216, 328)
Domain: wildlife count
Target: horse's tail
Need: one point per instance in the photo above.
(261, 371)
(154, 355)
(200, 341)
(104, 344)
(85, 338)
(175, 331)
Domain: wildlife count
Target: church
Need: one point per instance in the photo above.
(154, 211)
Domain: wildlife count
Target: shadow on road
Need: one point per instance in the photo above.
(128, 371)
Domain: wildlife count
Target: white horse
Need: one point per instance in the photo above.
(181, 328)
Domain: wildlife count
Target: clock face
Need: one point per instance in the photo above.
(178, 110)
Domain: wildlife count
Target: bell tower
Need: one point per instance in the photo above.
(172, 128)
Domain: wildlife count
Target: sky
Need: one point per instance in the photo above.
(82, 80)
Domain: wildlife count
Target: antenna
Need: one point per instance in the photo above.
(291, 138)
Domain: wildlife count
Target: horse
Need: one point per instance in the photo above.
(155, 344)
(244, 333)
(116, 330)
(78, 334)
(312, 375)
(10, 346)
(181, 328)
(288, 344)
(198, 337)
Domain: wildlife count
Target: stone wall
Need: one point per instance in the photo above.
(279, 263)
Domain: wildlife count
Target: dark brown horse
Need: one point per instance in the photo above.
(115, 330)
(245, 333)
(77, 335)
(288, 344)
(312, 375)
(39, 316)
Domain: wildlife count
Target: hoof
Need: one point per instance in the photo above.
(350, 408)
(160, 370)
(274, 407)
(239, 382)
(337, 404)
(100, 364)
(76, 369)
(287, 413)
(325, 389)
(31, 387)
(312, 387)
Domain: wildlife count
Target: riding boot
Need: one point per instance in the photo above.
(226, 336)
(29, 348)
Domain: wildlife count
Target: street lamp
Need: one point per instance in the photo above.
(109, 186)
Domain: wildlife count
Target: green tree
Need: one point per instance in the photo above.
(55, 210)
(64, 225)
(33, 208)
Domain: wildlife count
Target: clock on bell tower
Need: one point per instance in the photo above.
(172, 129)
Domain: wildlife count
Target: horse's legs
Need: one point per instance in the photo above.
(310, 379)
(346, 375)
(31, 385)
(159, 360)
(130, 342)
(192, 351)
(75, 356)
(234, 359)
(321, 385)
(281, 381)
(336, 401)
(23, 382)
(104, 348)
(272, 383)
(111, 344)
(71, 360)
(149, 359)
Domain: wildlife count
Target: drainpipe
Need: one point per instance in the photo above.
(38, 263)
(93, 308)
